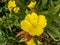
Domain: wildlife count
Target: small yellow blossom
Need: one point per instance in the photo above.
(34, 24)
(11, 5)
(32, 4)
(39, 42)
(16, 9)
(31, 42)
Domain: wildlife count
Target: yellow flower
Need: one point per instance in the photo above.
(32, 4)
(16, 9)
(34, 24)
(11, 5)
(31, 42)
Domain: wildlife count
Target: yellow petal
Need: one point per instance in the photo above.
(9, 2)
(42, 21)
(28, 16)
(12, 4)
(25, 25)
(36, 31)
(31, 42)
(32, 18)
(10, 8)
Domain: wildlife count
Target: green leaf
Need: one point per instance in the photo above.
(44, 2)
(35, 40)
(0, 9)
(3, 40)
(54, 33)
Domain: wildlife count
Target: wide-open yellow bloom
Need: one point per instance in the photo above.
(11, 5)
(34, 24)
(32, 4)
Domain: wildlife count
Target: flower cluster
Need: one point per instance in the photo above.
(33, 23)
(12, 6)
(19, 22)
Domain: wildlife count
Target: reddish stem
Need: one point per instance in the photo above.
(20, 33)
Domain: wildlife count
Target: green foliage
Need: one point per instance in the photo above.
(9, 22)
